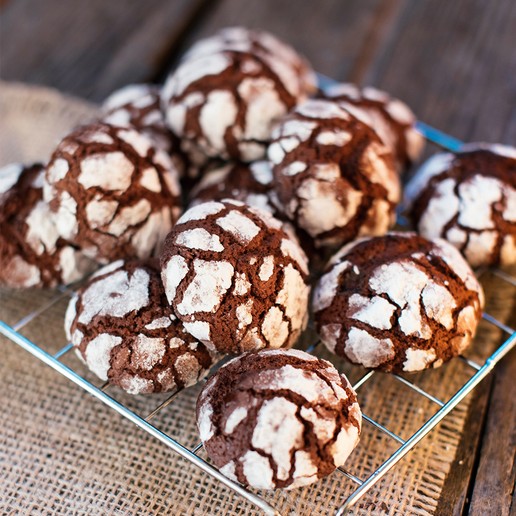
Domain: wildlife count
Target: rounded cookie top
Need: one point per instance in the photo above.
(112, 193)
(31, 252)
(391, 118)
(138, 106)
(398, 302)
(235, 278)
(230, 88)
(299, 79)
(125, 331)
(469, 199)
(278, 419)
(333, 176)
(250, 183)
(246, 182)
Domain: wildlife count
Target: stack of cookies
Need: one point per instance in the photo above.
(210, 205)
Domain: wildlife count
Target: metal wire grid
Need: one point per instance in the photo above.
(191, 454)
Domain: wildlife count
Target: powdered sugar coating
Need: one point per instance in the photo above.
(98, 353)
(115, 195)
(469, 199)
(230, 88)
(138, 106)
(245, 290)
(394, 303)
(123, 328)
(278, 419)
(389, 117)
(31, 252)
(208, 287)
(333, 188)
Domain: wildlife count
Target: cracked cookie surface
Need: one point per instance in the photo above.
(278, 419)
(333, 176)
(235, 278)
(138, 106)
(250, 183)
(125, 331)
(111, 192)
(31, 252)
(391, 118)
(469, 199)
(230, 88)
(397, 303)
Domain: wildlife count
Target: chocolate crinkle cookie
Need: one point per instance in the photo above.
(138, 106)
(230, 88)
(246, 182)
(398, 302)
(112, 192)
(250, 183)
(235, 278)
(125, 331)
(469, 199)
(31, 252)
(391, 118)
(278, 419)
(333, 176)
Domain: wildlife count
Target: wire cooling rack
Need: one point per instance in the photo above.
(404, 446)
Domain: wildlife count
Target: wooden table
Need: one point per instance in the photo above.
(454, 63)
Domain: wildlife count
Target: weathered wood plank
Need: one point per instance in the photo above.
(454, 495)
(149, 46)
(89, 47)
(461, 480)
(383, 28)
(454, 62)
(495, 477)
(510, 130)
(496, 474)
(329, 33)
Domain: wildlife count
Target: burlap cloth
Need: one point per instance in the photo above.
(63, 452)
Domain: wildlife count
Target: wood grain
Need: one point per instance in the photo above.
(328, 32)
(454, 63)
(89, 47)
(150, 46)
(454, 496)
(494, 481)
(383, 28)
(495, 477)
